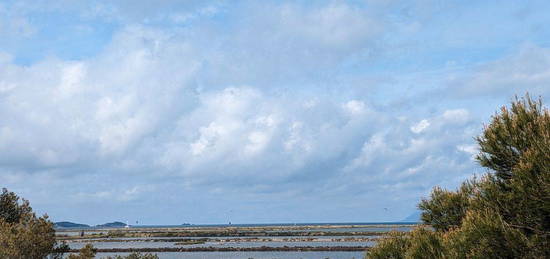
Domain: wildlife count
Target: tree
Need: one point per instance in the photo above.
(506, 213)
(446, 209)
(23, 234)
(11, 209)
(516, 147)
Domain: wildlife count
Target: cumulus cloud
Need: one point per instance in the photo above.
(211, 105)
(412, 154)
(137, 106)
(101, 107)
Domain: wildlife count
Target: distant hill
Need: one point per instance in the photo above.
(414, 217)
(66, 224)
(116, 224)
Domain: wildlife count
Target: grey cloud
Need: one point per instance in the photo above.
(245, 110)
(134, 107)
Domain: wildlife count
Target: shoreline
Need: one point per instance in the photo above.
(234, 249)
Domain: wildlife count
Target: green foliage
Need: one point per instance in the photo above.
(484, 234)
(86, 252)
(419, 243)
(89, 252)
(11, 209)
(425, 243)
(23, 234)
(393, 246)
(446, 209)
(116, 233)
(511, 134)
(505, 214)
(519, 192)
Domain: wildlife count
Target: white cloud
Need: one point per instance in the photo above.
(57, 110)
(399, 159)
(420, 126)
(267, 103)
(257, 141)
(374, 146)
(354, 107)
(71, 79)
(137, 108)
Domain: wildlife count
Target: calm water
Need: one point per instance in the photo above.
(167, 241)
(368, 224)
(254, 255)
(351, 229)
(215, 244)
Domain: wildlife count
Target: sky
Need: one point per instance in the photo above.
(165, 112)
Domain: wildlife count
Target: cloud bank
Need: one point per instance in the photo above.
(213, 111)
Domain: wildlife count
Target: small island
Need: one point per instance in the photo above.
(67, 224)
(116, 224)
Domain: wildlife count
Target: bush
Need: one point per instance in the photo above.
(419, 243)
(25, 236)
(446, 209)
(393, 246)
(505, 214)
(86, 252)
(116, 233)
(484, 234)
(425, 243)
(22, 233)
(89, 252)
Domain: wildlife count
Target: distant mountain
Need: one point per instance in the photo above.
(116, 224)
(66, 224)
(414, 217)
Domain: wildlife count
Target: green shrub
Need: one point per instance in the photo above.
(23, 234)
(393, 246)
(117, 233)
(505, 214)
(419, 243)
(446, 209)
(89, 252)
(483, 234)
(86, 252)
(424, 243)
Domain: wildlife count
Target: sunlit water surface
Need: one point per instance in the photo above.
(254, 255)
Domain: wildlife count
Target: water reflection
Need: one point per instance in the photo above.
(254, 255)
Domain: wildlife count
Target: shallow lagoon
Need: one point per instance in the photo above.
(274, 236)
(138, 244)
(254, 255)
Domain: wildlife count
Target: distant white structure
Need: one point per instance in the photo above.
(127, 225)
